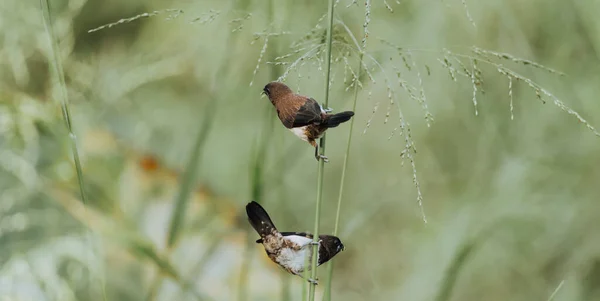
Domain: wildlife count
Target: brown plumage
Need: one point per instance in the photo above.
(303, 115)
(290, 249)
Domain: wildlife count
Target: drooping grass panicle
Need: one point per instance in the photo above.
(366, 24)
(404, 127)
(474, 83)
(207, 17)
(263, 50)
(466, 7)
(423, 99)
(238, 23)
(542, 92)
(309, 54)
(475, 75)
(510, 57)
(510, 95)
(407, 153)
(410, 64)
(370, 120)
(173, 13)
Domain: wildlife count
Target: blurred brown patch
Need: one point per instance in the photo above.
(149, 163)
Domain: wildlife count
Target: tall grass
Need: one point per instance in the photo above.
(58, 73)
(516, 156)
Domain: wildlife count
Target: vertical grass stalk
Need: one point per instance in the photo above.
(328, 280)
(257, 193)
(187, 184)
(57, 69)
(189, 176)
(312, 287)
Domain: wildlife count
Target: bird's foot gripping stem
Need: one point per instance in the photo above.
(319, 156)
(313, 281)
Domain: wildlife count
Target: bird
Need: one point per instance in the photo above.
(290, 249)
(303, 115)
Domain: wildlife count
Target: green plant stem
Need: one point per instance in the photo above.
(189, 176)
(185, 189)
(312, 287)
(257, 192)
(328, 280)
(64, 102)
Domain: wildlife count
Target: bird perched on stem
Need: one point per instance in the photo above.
(302, 115)
(290, 249)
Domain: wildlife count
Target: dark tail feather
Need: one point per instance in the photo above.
(259, 219)
(334, 120)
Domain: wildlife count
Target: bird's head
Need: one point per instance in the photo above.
(339, 246)
(334, 244)
(275, 90)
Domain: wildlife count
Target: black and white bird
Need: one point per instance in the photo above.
(290, 250)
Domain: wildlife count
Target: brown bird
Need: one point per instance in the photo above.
(302, 115)
(290, 250)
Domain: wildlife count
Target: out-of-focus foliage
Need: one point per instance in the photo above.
(512, 204)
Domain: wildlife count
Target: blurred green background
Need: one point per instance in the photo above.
(512, 205)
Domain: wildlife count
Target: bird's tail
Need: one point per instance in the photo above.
(334, 120)
(259, 219)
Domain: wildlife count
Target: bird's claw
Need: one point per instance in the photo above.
(314, 243)
(313, 281)
(319, 157)
(328, 110)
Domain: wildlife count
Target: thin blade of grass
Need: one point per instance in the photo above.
(328, 280)
(58, 73)
(189, 176)
(257, 192)
(556, 290)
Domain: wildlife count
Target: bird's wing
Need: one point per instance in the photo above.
(290, 234)
(303, 234)
(297, 242)
(299, 111)
(309, 113)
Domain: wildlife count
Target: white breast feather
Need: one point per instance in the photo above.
(295, 259)
(300, 132)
